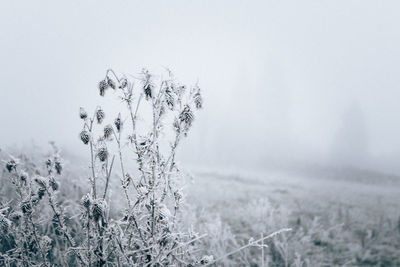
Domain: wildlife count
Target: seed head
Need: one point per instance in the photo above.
(98, 209)
(127, 180)
(40, 181)
(169, 98)
(186, 115)
(118, 122)
(4, 224)
(100, 115)
(53, 184)
(11, 165)
(148, 90)
(58, 166)
(108, 130)
(165, 213)
(41, 191)
(206, 259)
(84, 135)
(123, 83)
(82, 114)
(86, 200)
(111, 83)
(15, 216)
(26, 207)
(23, 176)
(198, 100)
(178, 196)
(103, 86)
(102, 153)
(176, 125)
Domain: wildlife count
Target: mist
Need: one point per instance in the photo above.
(309, 81)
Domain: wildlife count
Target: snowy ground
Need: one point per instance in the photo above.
(338, 216)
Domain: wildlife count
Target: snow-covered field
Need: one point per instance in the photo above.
(338, 216)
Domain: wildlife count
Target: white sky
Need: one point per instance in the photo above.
(277, 76)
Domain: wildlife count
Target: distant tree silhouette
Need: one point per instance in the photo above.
(350, 146)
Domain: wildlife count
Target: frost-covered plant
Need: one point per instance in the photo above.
(37, 230)
(148, 233)
(24, 235)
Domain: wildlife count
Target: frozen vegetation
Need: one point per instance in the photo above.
(135, 206)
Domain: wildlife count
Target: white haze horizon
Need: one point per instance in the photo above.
(312, 81)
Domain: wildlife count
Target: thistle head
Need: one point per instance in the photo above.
(198, 100)
(118, 123)
(41, 192)
(164, 212)
(11, 165)
(100, 115)
(99, 209)
(123, 83)
(186, 115)
(148, 91)
(15, 216)
(82, 113)
(111, 83)
(58, 166)
(103, 86)
(108, 130)
(102, 153)
(86, 200)
(4, 224)
(49, 163)
(169, 98)
(40, 181)
(53, 184)
(26, 207)
(23, 176)
(84, 135)
(206, 259)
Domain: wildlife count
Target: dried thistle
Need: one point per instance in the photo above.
(198, 100)
(23, 176)
(58, 166)
(186, 115)
(169, 98)
(110, 83)
(123, 83)
(84, 135)
(53, 184)
(15, 216)
(11, 165)
(26, 207)
(176, 125)
(82, 113)
(102, 153)
(98, 209)
(48, 163)
(86, 200)
(40, 181)
(4, 224)
(127, 180)
(100, 115)
(103, 86)
(148, 88)
(41, 191)
(108, 130)
(118, 123)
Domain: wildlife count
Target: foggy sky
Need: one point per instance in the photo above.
(279, 78)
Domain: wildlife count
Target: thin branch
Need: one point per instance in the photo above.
(249, 245)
